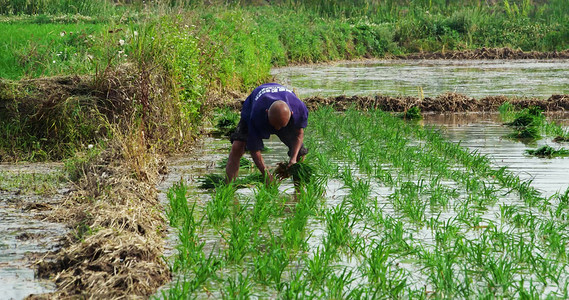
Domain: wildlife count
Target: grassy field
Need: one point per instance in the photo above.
(396, 211)
(254, 37)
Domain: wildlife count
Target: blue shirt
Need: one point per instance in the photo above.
(255, 108)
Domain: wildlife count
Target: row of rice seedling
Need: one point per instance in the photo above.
(394, 211)
(418, 161)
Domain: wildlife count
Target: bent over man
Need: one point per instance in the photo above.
(270, 109)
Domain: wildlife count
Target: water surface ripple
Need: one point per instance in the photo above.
(475, 78)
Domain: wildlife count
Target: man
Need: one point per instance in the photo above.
(270, 109)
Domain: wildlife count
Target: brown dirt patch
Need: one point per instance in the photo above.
(449, 102)
(489, 53)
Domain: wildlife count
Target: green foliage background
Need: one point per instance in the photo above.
(200, 49)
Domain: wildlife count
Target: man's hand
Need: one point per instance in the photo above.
(291, 162)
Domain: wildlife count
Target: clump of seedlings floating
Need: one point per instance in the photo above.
(526, 124)
(548, 152)
(413, 113)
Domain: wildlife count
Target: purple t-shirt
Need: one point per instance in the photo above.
(255, 108)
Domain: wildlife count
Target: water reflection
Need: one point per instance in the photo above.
(484, 133)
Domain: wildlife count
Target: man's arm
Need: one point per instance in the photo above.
(296, 147)
(260, 163)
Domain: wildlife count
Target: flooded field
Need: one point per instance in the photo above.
(386, 222)
(478, 78)
(27, 193)
(446, 207)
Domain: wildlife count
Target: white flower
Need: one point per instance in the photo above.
(62, 34)
(135, 33)
(121, 42)
(90, 146)
(54, 61)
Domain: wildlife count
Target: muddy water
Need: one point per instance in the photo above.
(24, 236)
(484, 133)
(475, 78)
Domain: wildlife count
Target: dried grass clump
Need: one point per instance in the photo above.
(116, 248)
(108, 264)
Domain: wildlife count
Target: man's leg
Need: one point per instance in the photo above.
(232, 168)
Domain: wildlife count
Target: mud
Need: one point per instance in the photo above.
(488, 53)
(25, 233)
(449, 102)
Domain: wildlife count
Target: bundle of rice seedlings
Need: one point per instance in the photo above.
(527, 132)
(413, 113)
(301, 172)
(522, 120)
(527, 117)
(211, 181)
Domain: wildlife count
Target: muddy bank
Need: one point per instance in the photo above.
(449, 102)
(488, 53)
(116, 243)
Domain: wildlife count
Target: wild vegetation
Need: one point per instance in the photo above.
(191, 51)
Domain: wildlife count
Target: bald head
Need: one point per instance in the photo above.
(279, 114)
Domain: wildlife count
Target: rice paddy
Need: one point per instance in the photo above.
(395, 210)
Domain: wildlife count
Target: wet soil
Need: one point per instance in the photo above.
(488, 53)
(26, 234)
(449, 102)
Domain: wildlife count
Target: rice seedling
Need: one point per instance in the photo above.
(237, 287)
(270, 268)
(338, 228)
(239, 238)
(336, 285)
(244, 163)
(297, 288)
(219, 207)
(318, 267)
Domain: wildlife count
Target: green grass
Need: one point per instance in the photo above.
(34, 50)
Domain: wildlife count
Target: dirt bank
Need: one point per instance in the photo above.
(488, 53)
(116, 243)
(449, 102)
